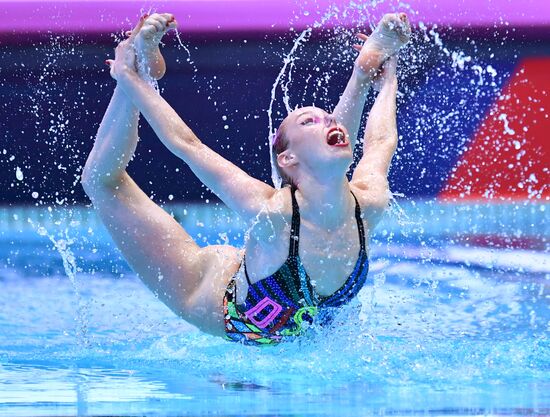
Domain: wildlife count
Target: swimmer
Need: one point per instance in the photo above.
(307, 251)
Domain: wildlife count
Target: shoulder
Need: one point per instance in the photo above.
(373, 197)
(372, 194)
(274, 216)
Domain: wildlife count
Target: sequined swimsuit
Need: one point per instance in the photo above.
(277, 307)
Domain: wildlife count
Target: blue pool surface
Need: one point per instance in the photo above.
(445, 325)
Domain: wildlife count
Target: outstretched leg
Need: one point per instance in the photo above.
(188, 279)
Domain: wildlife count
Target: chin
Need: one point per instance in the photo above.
(339, 161)
(342, 154)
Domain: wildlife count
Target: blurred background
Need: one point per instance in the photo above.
(473, 106)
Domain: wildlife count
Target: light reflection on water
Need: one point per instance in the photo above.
(449, 337)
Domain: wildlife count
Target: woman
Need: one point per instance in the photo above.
(318, 224)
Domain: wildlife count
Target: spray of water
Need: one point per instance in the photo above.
(63, 246)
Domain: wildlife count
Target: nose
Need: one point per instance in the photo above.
(330, 120)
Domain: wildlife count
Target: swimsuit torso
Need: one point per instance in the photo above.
(277, 306)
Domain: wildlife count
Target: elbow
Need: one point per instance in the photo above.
(388, 139)
(185, 141)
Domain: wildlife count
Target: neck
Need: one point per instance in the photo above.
(325, 203)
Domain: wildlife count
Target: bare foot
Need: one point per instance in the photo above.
(392, 33)
(150, 61)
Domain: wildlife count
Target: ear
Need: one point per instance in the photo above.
(286, 159)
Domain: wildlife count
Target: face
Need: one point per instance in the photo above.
(317, 140)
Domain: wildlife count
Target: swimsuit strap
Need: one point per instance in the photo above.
(295, 229)
(360, 225)
(294, 232)
(295, 226)
(246, 272)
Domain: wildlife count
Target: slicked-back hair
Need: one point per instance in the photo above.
(280, 144)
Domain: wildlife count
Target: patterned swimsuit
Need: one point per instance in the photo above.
(276, 307)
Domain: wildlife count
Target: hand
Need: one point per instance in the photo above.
(125, 55)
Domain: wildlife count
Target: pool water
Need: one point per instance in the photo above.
(442, 327)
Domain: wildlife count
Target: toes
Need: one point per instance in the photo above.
(168, 16)
(157, 23)
(172, 24)
(148, 32)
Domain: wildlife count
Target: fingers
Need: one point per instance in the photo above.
(148, 31)
(361, 36)
(172, 24)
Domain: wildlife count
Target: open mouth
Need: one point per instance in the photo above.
(337, 137)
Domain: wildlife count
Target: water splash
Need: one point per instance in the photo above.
(189, 58)
(63, 246)
(289, 59)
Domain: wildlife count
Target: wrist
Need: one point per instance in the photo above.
(126, 76)
(361, 78)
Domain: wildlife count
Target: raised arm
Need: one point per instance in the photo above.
(240, 192)
(350, 107)
(392, 32)
(371, 174)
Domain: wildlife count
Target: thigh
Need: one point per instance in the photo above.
(204, 309)
(154, 244)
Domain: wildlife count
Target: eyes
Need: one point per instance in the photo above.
(311, 121)
(327, 120)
